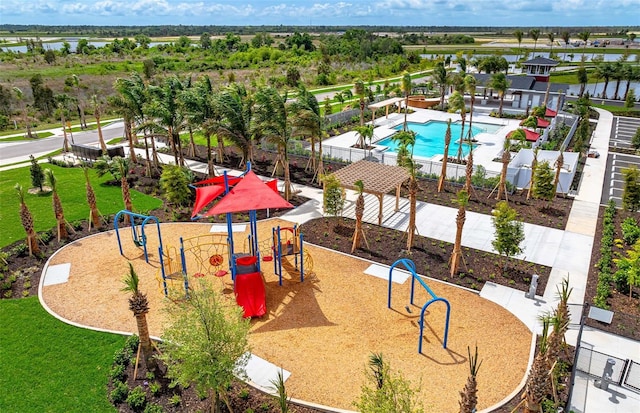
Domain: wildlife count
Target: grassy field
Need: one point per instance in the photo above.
(71, 188)
(49, 366)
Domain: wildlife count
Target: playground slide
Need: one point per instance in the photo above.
(250, 294)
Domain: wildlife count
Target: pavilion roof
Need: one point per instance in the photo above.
(377, 178)
(384, 103)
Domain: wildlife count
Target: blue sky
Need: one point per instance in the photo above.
(520, 13)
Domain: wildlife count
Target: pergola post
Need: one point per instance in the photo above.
(380, 200)
(398, 197)
(387, 112)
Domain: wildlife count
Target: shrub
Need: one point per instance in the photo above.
(153, 408)
(119, 393)
(137, 399)
(175, 400)
(117, 372)
(630, 231)
(155, 388)
(122, 356)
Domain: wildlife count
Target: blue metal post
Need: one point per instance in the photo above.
(164, 276)
(301, 258)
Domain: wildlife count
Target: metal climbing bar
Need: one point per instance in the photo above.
(411, 267)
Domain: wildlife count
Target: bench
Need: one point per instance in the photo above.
(92, 153)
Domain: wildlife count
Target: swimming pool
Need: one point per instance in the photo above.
(430, 137)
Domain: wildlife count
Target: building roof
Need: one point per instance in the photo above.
(530, 135)
(517, 82)
(550, 113)
(555, 87)
(540, 61)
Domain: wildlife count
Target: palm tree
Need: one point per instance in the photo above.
(534, 34)
(27, 124)
(139, 306)
(57, 205)
(62, 101)
(308, 122)
(631, 74)
(559, 163)
(584, 36)
(534, 165)
(405, 140)
(94, 213)
(470, 87)
(359, 89)
(200, 109)
(618, 75)
(97, 112)
(518, 34)
(500, 84)
(118, 167)
(235, 107)
(566, 37)
(506, 158)
(462, 199)
(607, 71)
(537, 386)
(124, 105)
(583, 78)
(27, 222)
(456, 103)
(469, 397)
(447, 142)
(165, 114)
(75, 80)
(405, 86)
(552, 38)
(364, 132)
(274, 124)
(358, 234)
(441, 77)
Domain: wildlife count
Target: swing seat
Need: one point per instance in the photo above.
(138, 243)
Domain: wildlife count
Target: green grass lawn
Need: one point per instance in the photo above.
(49, 366)
(71, 188)
(41, 135)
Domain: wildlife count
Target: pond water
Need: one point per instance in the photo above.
(73, 42)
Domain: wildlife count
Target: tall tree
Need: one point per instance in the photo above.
(618, 75)
(518, 35)
(583, 78)
(358, 234)
(462, 200)
(552, 38)
(57, 205)
(535, 35)
(406, 86)
(80, 101)
(631, 190)
(441, 77)
(584, 36)
(235, 107)
(543, 183)
(274, 122)
(97, 113)
(470, 88)
(37, 174)
(118, 167)
(199, 104)
(456, 103)
(308, 121)
(566, 37)
(27, 222)
(405, 140)
(447, 142)
(139, 306)
(364, 132)
(538, 385)
(500, 84)
(630, 74)
(23, 108)
(359, 90)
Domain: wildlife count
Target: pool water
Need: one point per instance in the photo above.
(430, 137)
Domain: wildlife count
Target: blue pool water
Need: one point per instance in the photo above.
(430, 137)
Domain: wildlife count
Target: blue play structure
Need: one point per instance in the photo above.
(411, 267)
(288, 241)
(137, 230)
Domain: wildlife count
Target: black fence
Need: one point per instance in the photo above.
(92, 153)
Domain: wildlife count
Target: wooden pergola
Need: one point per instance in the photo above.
(383, 104)
(378, 179)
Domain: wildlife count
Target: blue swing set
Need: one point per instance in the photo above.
(137, 230)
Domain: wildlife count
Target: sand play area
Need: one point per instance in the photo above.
(321, 330)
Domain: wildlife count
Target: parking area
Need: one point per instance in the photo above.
(622, 131)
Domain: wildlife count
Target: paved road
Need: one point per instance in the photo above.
(622, 131)
(15, 151)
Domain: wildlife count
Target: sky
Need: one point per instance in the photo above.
(509, 13)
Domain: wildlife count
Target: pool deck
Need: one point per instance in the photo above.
(489, 145)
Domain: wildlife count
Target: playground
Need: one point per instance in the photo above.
(321, 329)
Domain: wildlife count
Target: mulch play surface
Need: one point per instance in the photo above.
(322, 330)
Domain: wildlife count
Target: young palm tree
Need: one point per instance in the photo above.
(441, 77)
(274, 123)
(358, 234)
(94, 213)
(200, 107)
(235, 107)
(456, 256)
(535, 35)
(406, 139)
(27, 222)
(307, 121)
(406, 90)
(456, 103)
(618, 75)
(364, 132)
(506, 158)
(518, 34)
(97, 112)
(552, 38)
(23, 108)
(57, 205)
(559, 162)
(470, 87)
(359, 89)
(124, 105)
(500, 84)
(537, 386)
(631, 74)
(534, 165)
(447, 142)
(566, 37)
(469, 396)
(584, 36)
(139, 306)
(75, 80)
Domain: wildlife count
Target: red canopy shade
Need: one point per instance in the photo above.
(273, 184)
(550, 113)
(204, 195)
(531, 136)
(543, 123)
(218, 180)
(250, 194)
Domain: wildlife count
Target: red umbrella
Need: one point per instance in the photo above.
(250, 194)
